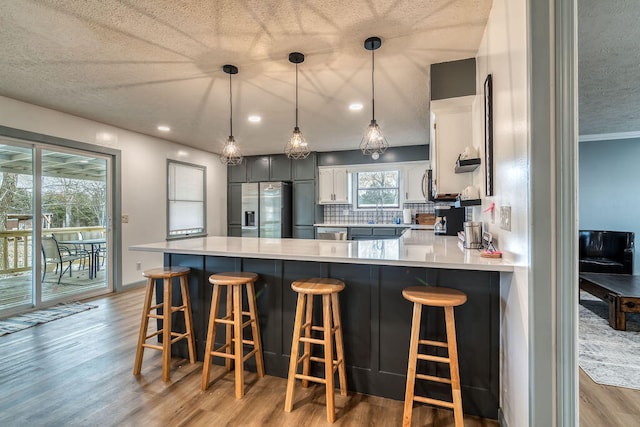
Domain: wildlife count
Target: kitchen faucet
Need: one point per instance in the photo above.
(379, 212)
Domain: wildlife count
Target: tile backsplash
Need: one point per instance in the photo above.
(344, 214)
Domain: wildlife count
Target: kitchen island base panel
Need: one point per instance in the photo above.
(376, 321)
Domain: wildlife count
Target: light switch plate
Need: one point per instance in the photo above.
(505, 217)
(125, 218)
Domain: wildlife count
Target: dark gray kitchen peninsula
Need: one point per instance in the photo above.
(376, 318)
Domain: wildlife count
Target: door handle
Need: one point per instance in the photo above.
(424, 185)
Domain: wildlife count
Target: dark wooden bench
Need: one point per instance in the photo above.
(621, 291)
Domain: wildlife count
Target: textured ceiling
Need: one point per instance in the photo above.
(139, 63)
(609, 66)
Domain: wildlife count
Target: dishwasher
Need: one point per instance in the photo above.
(331, 233)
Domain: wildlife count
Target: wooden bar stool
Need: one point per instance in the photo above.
(435, 297)
(163, 311)
(306, 290)
(233, 350)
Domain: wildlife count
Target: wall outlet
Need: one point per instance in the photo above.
(138, 266)
(125, 218)
(505, 217)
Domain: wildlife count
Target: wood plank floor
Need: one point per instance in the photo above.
(603, 405)
(78, 371)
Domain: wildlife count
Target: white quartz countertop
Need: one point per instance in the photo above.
(415, 248)
(360, 224)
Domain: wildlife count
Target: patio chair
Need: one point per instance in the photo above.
(52, 253)
(102, 251)
(71, 248)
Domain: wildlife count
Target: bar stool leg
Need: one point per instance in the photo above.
(188, 321)
(255, 328)
(293, 360)
(237, 336)
(411, 369)
(453, 366)
(228, 362)
(342, 372)
(211, 336)
(144, 324)
(166, 330)
(306, 364)
(328, 357)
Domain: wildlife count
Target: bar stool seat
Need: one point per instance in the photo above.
(233, 349)
(434, 297)
(307, 289)
(164, 312)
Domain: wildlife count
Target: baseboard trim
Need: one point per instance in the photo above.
(501, 420)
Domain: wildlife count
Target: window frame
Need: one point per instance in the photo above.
(356, 187)
(188, 233)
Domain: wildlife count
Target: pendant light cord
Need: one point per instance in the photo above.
(373, 94)
(230, 108)
(296, 95)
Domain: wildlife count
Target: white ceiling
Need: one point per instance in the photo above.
(609, 66)
(140, 63)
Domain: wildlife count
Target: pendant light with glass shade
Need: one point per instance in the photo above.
(231, 155)
(373, 142)
(297, 147)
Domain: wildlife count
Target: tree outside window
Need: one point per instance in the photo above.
(378, 189)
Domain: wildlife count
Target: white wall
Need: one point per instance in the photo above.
(503, 53)
(143, 175)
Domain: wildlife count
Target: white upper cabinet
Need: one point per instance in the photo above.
(451, 133)
(333, 186)
(415, 182)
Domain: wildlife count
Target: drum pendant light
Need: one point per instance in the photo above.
(373, 142)
(297, 147)
(230, 152)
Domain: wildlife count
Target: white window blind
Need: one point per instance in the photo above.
(186, 204)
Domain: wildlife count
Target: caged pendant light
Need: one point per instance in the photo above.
(297, 147)
(373, 142)
(230, 152)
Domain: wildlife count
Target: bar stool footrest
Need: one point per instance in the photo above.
(310, 378)
(312, 340)
(433, 378)
(431, 358)
(434, 343)
(436, 402)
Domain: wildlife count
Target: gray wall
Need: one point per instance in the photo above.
(406, 153)
(608, 190)
(453, 79)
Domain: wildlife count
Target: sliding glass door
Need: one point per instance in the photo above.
(16, 226)
(74, 201)
(54, 205)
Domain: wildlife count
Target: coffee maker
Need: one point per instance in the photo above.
(449, 220)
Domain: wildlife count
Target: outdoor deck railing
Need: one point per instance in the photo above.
(15, 247)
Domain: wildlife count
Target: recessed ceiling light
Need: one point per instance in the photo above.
(164, 128)
(255, 119)
(356, 106)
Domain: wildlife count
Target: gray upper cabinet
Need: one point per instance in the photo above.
(258, 168)
(280, 168)
(305, 168)
(237, 173)
(304, 196)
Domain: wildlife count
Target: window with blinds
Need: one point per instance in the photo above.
(186, 204)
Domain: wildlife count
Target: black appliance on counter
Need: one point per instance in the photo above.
(449, 220)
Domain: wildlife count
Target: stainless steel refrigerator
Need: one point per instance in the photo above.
(266, 209)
